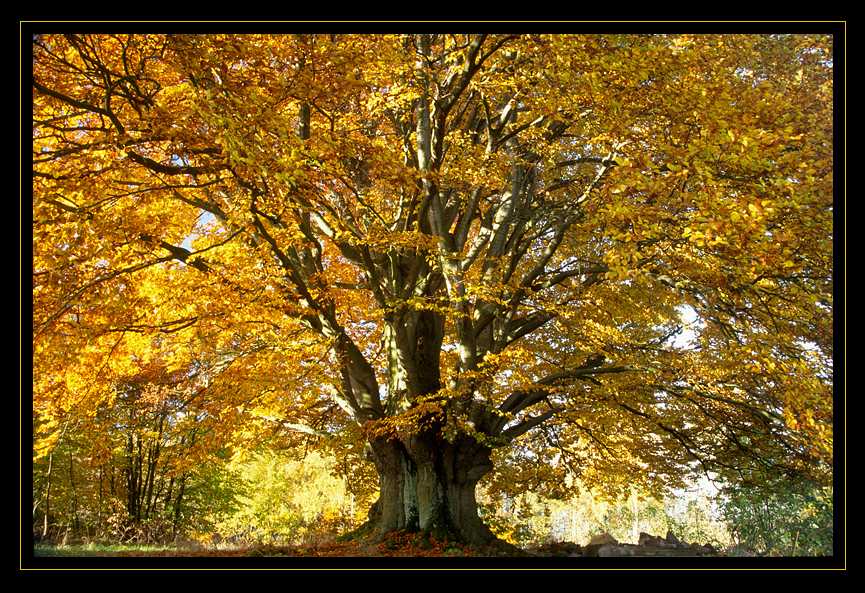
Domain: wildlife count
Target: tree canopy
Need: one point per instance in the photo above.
(604, 256)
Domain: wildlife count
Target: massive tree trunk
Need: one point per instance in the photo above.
(428, 484)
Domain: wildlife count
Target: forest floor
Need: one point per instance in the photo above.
(395, 545)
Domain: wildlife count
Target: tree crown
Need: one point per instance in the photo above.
(608, 253)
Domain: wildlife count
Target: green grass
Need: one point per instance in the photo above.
(96, 549)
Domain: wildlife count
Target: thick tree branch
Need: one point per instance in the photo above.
(527, 424)
(520, 400)
(174, 169)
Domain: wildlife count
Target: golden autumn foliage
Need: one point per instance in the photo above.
(605, 256)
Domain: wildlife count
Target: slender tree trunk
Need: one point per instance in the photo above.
(152, 464)
(139, 481)
(99, 503)
(73, 503)
(177, 506)
(131, 480)
(168, 494)
(47, 497)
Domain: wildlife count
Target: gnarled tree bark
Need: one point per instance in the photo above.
(428, 484)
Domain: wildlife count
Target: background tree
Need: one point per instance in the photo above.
(142, 468)
(471, 248)
(530, 519)
(289, 498)
(781, 518)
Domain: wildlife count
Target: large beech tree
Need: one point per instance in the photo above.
(608, 256)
